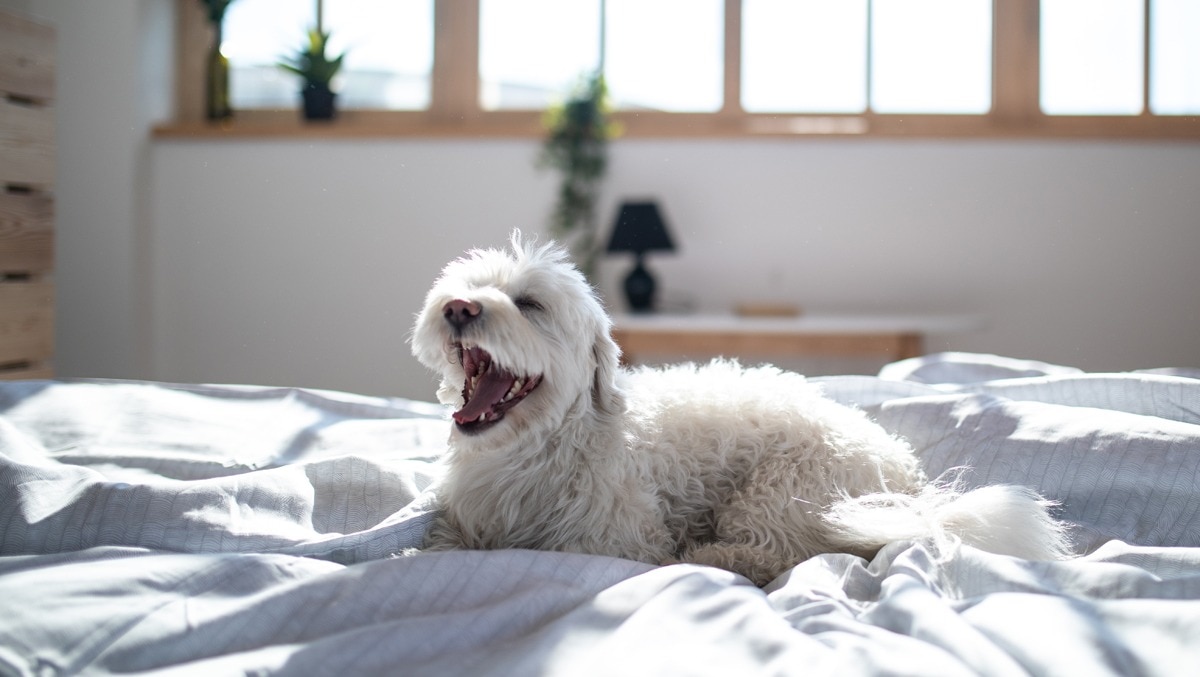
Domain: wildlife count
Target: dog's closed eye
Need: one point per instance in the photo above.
(527, 303)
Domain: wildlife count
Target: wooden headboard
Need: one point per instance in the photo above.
(27, 64)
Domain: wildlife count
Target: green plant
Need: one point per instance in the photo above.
(312, 64)
(577, 146)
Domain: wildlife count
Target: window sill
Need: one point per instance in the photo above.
(282, 124)
(287, 124)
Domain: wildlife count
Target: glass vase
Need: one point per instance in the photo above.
(216, 93)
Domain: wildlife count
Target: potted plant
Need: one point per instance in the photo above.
(317, 70)
(576, 144)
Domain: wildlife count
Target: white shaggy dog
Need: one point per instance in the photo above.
(556, 447)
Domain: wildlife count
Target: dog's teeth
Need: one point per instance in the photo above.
(512, 392)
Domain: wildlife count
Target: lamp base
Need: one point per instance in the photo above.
(639, 288)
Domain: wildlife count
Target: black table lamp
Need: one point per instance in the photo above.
(640, 228)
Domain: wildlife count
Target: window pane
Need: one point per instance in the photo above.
(931, 56)
(1091, 57)
(1175, 57)
(532, 52)
(257, 34)
(388, 45)
(389, 51)
(804, 56)
(666, 54)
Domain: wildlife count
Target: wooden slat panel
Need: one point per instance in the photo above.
(27, 65)
(26, 144)
(27, 59)
(26, 322)
(26, 234)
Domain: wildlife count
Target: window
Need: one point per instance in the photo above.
(808, 56)
(1091, 57)
(931, 56)
(663, 55)
(389, 51)
(1095, 58)
(514, 70)
(1175, 57)
(722, 67)
(388, 46)
(256, 35)
(887, 56)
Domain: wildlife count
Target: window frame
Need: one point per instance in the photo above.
(455, 110)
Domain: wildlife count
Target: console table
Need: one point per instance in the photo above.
(895, 337)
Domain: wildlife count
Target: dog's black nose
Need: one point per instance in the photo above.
(460, 312)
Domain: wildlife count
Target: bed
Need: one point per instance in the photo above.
(209, 529)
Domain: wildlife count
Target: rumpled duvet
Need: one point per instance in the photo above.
(157, 528)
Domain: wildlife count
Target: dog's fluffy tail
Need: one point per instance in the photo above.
(1003, 519)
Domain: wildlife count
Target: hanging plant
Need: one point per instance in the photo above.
(578, 131)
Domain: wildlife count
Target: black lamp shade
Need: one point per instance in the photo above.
(640, 228)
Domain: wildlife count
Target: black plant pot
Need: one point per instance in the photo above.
(319, 103)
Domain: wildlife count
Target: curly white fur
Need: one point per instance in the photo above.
(556, 447)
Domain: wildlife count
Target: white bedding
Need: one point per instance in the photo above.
(219, 529)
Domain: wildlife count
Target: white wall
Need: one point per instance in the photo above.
(1080, 253)
(301, 263)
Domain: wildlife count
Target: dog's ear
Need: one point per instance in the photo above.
(606, 356)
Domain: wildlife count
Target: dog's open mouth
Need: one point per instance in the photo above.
(489, 390)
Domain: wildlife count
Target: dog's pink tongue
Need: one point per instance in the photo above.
(493, 385)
